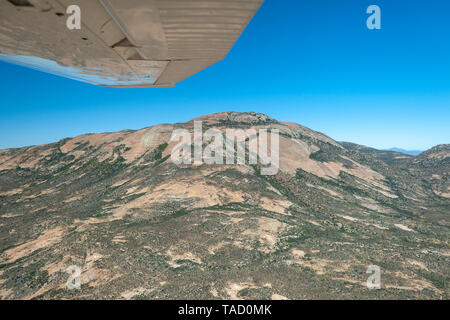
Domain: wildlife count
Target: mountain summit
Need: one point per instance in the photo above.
(139, 226)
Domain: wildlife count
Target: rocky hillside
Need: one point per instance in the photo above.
(141, 227)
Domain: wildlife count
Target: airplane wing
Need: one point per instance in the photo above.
(122, 43)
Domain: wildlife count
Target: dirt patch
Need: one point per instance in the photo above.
(45, 240)
(72, 199)
(233, 289)
(349, 218)
(403, 227)
(119, 239)
(266, 232)
(278, 297)
(273, 205)
(11, 192)
(127, 295)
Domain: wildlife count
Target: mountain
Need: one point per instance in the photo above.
(140, 226)
(410, 152)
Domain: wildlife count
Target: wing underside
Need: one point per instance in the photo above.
(122, 43)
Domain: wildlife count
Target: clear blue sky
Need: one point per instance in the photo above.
(312, 62)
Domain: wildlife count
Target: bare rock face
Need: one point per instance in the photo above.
(140, 226)
(250, 117)
(236, 118)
